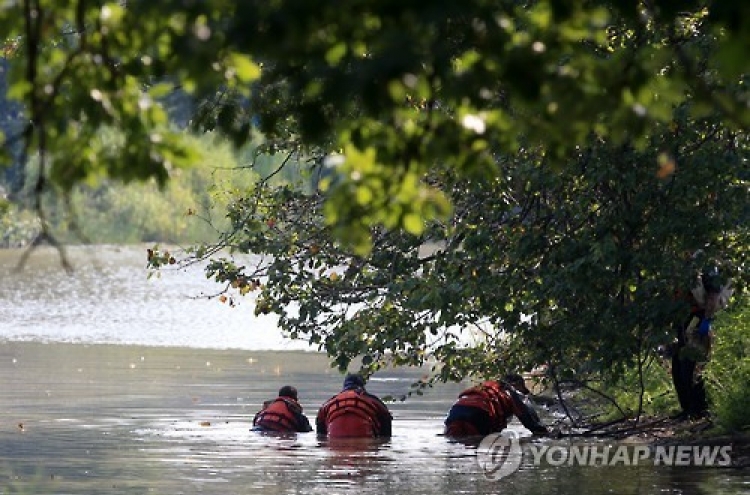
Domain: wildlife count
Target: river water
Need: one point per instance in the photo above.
(115, 383)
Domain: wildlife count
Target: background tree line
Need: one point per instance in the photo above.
(191, 208)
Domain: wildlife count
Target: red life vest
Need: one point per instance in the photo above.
(491, 398)
(352, 413)
(279, 415)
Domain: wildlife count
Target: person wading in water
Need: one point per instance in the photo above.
(354, 412)
(283, 414)
(487, 407)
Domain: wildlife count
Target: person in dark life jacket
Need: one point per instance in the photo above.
(354, 412)
(692, 347)
(487, 407)
(283, 414)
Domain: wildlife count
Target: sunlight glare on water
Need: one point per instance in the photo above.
(110, 299)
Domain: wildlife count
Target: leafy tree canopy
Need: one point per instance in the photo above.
(394, 87)
(536, 170)
(575, 269)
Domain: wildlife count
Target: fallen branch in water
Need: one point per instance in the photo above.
(662, 424)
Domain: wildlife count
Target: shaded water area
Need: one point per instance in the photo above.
(95, 400)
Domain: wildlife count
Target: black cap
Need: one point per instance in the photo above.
(288, 391)
(353, 380)
(518, 382)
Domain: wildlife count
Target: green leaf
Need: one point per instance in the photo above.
(19, 90)
(246, 70)
(413, 223)
(336, 53)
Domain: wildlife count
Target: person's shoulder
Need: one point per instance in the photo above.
(330, 399)
(491, 387)
(375, 398)
(291, 403)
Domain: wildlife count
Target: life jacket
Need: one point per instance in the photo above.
(280, 415)
(491, 398)
(499, 404)
(352, 413)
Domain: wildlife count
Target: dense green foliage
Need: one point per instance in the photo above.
(396, 86)
(726, 375)
(190, 208)
(728, 372)
(576, 270)
(644, 393)
(485, 184)
(18, 227)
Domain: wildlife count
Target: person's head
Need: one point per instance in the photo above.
(711, 279)
(353, 380)
(713, 284)
(288, 391)
(517, 381)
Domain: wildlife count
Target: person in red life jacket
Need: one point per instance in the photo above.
(487, 407)
(692, 347)
(354, 412)
(283, 414)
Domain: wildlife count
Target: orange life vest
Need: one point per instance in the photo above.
(279, 415)
(491, 398)
(352, 413)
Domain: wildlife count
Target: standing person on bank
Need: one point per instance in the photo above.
(692, 348)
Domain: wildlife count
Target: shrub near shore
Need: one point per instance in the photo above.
(728, 372)
(610, 406)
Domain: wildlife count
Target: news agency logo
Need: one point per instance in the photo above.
(500, 455)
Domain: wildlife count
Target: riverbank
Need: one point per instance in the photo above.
(665, 431)
(654, 431)
(701, 432)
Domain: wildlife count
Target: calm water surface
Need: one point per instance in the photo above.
(110, 299)
(111, 383)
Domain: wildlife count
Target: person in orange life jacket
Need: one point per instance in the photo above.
(694, 338)
(487, 407)
(283, 414)
(354, 412)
